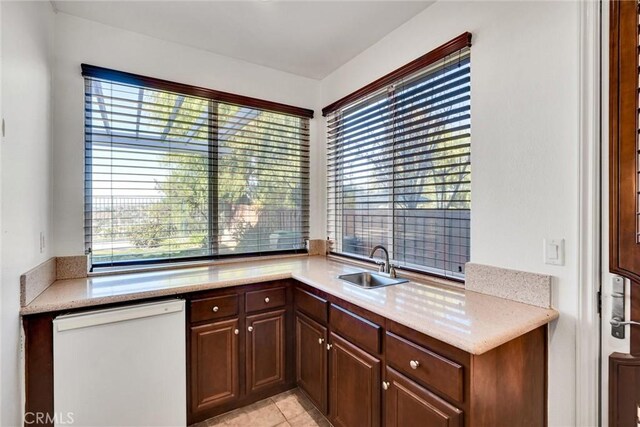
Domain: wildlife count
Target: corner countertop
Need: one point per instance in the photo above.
(471, 321)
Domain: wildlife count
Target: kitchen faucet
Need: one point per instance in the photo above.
(385, 266)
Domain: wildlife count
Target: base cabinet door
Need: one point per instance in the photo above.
(311, 360)
(408, 404)
(265, 349)
(214, 364)
(355, 385)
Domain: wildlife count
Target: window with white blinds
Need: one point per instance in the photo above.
(172, 176)
(399, 169)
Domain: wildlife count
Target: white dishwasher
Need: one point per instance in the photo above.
(122, 366)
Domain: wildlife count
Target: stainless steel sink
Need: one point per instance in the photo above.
(370, 280)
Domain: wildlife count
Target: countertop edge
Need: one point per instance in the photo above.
(136, 296)
(476, 348)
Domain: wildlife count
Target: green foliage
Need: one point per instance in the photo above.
(153, 229)
(244, 146)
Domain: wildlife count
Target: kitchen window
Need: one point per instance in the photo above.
(175, 172)
(399, 164)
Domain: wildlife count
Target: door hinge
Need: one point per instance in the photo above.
(599, 303)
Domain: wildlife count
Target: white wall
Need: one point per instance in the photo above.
(82, 41)
(27, 43)
(1, 239)
(524, 101)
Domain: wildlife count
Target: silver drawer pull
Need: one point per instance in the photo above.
(250, 328)
(320, 341)
(266, 300)
(329, 346)
(385, 385)
(414, 364)
(215, 309)
(236, 331)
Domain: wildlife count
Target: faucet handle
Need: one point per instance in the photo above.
(381, 266)
(392, 270)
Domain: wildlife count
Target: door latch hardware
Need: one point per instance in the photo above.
(617, 308)
(618, 322)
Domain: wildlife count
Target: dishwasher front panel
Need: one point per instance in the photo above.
(121, 367)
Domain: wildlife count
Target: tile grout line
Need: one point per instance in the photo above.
(286, 420)
(272, 401)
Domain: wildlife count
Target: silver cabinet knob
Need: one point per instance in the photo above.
(266, 300)
(414, 364)
(237, 331)
(215, 309)
(320, 341)
(385, 385)
(329, 346)
(250, 328)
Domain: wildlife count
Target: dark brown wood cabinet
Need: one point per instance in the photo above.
(355, 385)
(408, 404)
(265, 347)
(311, 360)
(432, 369)
(240, 347)
(340, 354)
(214, 364)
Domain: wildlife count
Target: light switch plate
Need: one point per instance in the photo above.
(553, 251)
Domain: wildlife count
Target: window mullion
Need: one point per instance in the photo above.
(88, 169)
(213, 177)
(392, 223)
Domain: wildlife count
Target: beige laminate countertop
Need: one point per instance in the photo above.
(471, 321)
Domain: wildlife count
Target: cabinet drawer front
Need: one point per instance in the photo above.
(409, 405)
(214, 308)
(425, 366)
(265, 299)
(312, 305)
(359, 330)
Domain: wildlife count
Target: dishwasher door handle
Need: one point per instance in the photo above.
(103, 317)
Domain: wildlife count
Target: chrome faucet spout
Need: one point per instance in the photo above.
(387, 265)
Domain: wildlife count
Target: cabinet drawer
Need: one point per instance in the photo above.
(430, 368)
(265, 299)
(410, 405)
(312, 305)
(359, 330)
(214, 308)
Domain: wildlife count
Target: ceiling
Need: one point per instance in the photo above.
(307, 38)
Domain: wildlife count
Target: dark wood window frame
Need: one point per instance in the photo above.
(216, 95)
(440, 53)
(454, 45)
(213, 98)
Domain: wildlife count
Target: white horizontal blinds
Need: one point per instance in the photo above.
(171, 176)
(263, 180)
(146, 163)
(399, 170)
(359, 175)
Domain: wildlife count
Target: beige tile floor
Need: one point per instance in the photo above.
(291, 408)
